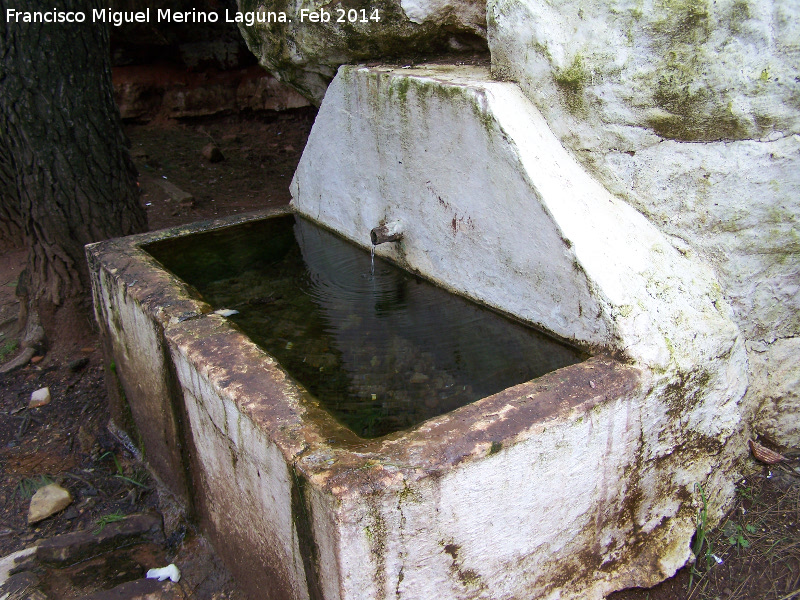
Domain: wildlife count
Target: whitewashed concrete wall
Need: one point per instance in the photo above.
(246, 488)
(537, 520)
(137, 362)
(689, 111)
(387, 148)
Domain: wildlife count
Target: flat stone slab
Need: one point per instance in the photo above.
(16, 562)
(141, 589)
(80, 545)
(22, 586)
(173, 191)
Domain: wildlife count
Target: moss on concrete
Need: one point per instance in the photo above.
(691, 109)
(571, 82)
(408, 495)
(304, 529)
(739, 13)
(684, 21)
(376, 536)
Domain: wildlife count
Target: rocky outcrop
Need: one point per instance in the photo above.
(162, 91)
(306, 49)
(689, 111)
(197, 45)
(170, 69)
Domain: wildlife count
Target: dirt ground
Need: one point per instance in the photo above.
(67, 441)
(260, 154)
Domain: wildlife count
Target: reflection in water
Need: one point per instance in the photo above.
(381, 349)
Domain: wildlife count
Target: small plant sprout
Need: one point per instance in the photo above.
(28, 487)
(702, 548)
(737, 535)
(116, 462)
(8, 347)
(138, 478)
(106, 519)
(750, 493)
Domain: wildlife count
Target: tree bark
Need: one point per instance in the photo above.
(66, 177)
(10, 219)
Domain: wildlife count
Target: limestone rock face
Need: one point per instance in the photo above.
(687, 70)
(775, 381)
(172, 92)
(306, 54)
(690, 111)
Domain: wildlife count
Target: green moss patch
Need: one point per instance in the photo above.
(571, 81)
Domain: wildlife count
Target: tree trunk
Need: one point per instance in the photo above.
(66, 177)
(10, 219)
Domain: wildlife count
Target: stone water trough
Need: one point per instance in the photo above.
(572, 485)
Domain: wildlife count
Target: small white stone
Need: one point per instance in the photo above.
(170, 572)
(226, 312)
(40, 397)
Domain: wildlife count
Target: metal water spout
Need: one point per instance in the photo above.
(388, 232)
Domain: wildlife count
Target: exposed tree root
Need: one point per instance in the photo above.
(32, 340)
(18, 361)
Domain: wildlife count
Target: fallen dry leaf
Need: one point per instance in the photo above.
(765, 455)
